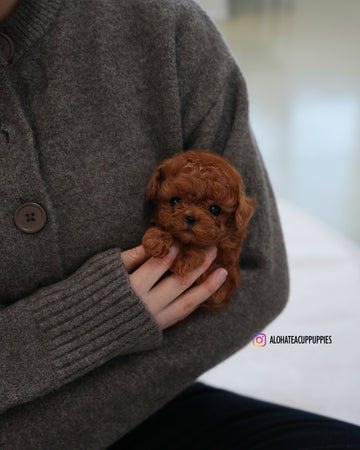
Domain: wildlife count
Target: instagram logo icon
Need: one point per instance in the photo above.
(259, 340)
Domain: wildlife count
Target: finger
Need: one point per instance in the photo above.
(190, 300)
(173, 286)
(133, 258)
(144, 278)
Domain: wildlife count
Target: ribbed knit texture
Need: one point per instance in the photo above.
(98, 93)
(29, 22)
(90, 316)
(71, 327)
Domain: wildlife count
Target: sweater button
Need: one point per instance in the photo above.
(30, 217)
(6, 47)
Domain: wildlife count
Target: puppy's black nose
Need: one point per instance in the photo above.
(190, 220)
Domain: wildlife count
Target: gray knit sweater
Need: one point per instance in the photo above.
(97, 93)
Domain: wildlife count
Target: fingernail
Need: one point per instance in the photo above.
(221, 275)
(211, 252)
(175, 247)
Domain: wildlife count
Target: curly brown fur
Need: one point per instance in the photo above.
(199, 200)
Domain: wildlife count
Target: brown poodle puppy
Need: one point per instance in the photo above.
(199, 199)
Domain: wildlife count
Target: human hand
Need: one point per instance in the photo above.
(171, 300)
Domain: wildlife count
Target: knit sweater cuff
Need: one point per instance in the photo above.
(93, 316)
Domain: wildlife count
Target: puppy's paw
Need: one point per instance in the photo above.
(217, 302)
(157, 242)
(187, 261)
(220, 299)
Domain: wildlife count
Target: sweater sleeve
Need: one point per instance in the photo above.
(99, 408)
(64, 330)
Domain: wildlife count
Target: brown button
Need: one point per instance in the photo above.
(6, 47)
(30, 217)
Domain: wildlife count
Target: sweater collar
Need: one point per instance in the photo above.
(28, 22)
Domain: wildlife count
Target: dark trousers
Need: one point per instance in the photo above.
(207, 418)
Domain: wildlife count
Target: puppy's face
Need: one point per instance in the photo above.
(197, 197)
(189, 216)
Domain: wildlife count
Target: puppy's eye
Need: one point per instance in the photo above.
(175, 201)
(215, 210)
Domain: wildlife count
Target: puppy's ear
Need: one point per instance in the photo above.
(154, 185)
(244, 211)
